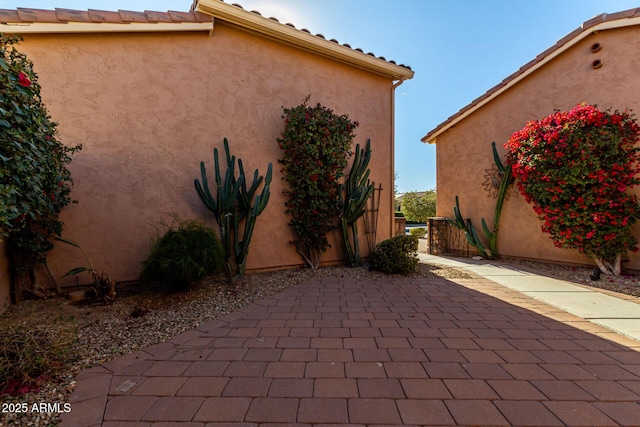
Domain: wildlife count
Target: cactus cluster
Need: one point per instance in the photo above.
(235, 207)
(492, 235)
(354, 194)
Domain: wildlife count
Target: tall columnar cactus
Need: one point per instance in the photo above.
(506, 179)
(249, 212)
(354, 194)
(235, 207)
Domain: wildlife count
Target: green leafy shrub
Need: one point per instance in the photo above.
(30, 353)
(396, 255)
(34, 180)
(184, 254)
(315, 144)
(418, 231)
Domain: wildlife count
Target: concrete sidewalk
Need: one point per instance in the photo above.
(620, 313)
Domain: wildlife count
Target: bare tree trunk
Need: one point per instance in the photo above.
(608, 268)
(53, 278)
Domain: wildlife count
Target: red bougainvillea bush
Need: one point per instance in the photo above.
(316, 145)
(575, 167)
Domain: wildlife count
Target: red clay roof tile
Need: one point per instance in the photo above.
(131, 16)
(153, 16)
(177, 16)
(629, 13)
(7, 15)
(73, 15)
(37, 15)
(104, 16)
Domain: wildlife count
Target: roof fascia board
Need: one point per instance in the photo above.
(431, 139)
(285, 34)
(97, 27)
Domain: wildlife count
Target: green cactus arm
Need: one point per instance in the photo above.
(479, 244)
(203, 189)
(485, 229)
(230, 159)
(243, 197)
(364, 180)
(360, 170)
(470, 239)
(216, 166)
(205, 195)
(356, 205)
(268, 177)
(356, 245)
(261, 201)
(459, 221)
(507, 180)
(347, 243)
(208, 203)
(263, 198)
(233, 195)
(496, 157)
(353, 175)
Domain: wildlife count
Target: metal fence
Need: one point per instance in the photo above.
(445, 238)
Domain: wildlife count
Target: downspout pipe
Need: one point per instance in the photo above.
(393, 149)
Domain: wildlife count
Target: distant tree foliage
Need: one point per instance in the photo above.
(417, 207)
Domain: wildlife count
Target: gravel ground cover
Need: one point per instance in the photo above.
(138, 319)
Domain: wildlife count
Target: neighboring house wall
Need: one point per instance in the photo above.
(147, 108)
(464, 150)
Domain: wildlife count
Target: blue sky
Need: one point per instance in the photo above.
(458, 49)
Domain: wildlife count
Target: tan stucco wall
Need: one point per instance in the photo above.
(147, 108)
(5, 279)
(464, 151)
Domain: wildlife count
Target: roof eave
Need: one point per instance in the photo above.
(525, 71)
(285, 34)
(104, 27)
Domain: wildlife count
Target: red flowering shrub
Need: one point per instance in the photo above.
(575, 167)
(315, 144)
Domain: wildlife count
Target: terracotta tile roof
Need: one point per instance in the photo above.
(62, 16)
(322, 36)
(586, 28)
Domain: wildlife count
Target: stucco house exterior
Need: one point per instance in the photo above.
(598, 64)
(150, 94)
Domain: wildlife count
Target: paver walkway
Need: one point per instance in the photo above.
(375, 352)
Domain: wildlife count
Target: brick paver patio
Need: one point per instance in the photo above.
(374, 352)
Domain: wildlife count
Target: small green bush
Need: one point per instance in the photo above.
(183, 255)
(418, 231)
(396, 255)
